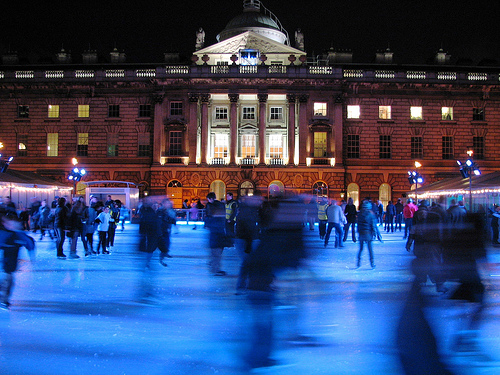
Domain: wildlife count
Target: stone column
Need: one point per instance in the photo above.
(205, 98)
(233, 126)
(304, 138)
(291, 128)
(192, 128)
(159, 141)
(262, 127)
(337, 133)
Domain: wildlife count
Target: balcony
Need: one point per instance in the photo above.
(276, 161)
(247, 161)
(218, 161)
(166, 159)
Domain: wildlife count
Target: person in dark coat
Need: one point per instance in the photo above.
(351, 214)
(166, 217)
(247, 234)
(390, 214)
(12, 238)
(77, 218)
(367, 229)
(215, 220)
(399, 215)
(61, 218)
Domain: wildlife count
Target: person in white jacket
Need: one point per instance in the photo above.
(102, 221)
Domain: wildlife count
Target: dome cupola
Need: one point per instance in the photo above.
(256, 18)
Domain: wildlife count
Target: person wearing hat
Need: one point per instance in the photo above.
(367, 228)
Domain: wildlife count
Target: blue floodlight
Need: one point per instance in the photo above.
(469, 163)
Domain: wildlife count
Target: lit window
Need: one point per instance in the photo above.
(176, 109)
(175, 143)
(320, 144)
(275, 146)
(384, 112)
(248, 113)
(276, 113)
(249, 57)
(52, 144)
(221, 113)
(353, 111)
(416, 113)
(320, 109)
(248, 142)
(447, 113)
(144, 144)
(53, 111)
(145, 110)
(22, 145)
(112, 144)
(82, 148)
(83, 110)
(220, 145)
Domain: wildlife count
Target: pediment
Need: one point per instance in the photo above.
(249, 40)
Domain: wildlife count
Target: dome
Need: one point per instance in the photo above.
(252, 19)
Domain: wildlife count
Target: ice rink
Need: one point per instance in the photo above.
(83, 316)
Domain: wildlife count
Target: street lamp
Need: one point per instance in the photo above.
(467, 169)
(76, 174)
(415, 178)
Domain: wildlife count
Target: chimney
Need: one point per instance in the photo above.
(442, 58)
(116, 56)
(339, 56)
(10, 58)
(384, 57)
(89, 57)
(63, 57)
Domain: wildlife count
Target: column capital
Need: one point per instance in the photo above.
(157, 97)
(292, 98)
(233, 98)
(205, 98)
(262, 98)
(193, 98)
(303, 98)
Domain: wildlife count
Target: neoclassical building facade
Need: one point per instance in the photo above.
(250, 112)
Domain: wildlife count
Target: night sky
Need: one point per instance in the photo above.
(145, 30)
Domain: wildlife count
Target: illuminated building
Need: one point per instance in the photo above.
(251, 111)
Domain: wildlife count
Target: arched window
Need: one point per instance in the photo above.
(320, 189)
(384, 194)
(246, 189)
(353, 192)
(174, 192)
(219, 188)
(276, 189)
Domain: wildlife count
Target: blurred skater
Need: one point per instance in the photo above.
(215, 220)
(12, 238)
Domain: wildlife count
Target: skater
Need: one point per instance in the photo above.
(12, 237)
